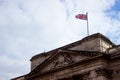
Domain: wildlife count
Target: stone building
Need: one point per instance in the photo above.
(94, 57)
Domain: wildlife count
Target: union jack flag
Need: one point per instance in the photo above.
(81, 16)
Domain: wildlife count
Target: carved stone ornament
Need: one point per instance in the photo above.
(104, 72)
(63, 59)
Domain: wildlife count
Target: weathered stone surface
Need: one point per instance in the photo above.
(92, 58)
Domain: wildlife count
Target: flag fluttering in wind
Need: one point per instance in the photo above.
(81, 16)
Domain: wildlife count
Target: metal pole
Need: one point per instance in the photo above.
(87, 25)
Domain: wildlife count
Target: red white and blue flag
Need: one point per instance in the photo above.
(81, 16)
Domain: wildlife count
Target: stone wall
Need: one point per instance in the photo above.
(115, 66)
(93, 45)
(94, 70)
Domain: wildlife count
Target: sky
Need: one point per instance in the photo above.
(30, 27)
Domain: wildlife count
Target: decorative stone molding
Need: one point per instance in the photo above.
(64, 60)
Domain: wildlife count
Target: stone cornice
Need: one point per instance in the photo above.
(23, 76)
(89, 60)
(84, 53)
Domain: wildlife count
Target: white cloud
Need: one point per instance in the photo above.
(28, 27)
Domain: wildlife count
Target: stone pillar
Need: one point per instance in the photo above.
(93, 75)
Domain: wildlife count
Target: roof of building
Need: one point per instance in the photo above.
(19, 77)
(88, 38)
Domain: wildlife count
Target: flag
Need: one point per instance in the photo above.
(81, 16)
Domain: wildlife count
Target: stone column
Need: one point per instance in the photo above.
(92, 75)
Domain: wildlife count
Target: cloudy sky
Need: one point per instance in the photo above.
(29, 27)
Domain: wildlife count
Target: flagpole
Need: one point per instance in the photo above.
(87, 24)
(84, 17)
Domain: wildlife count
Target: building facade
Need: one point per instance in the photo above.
(94, 57)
